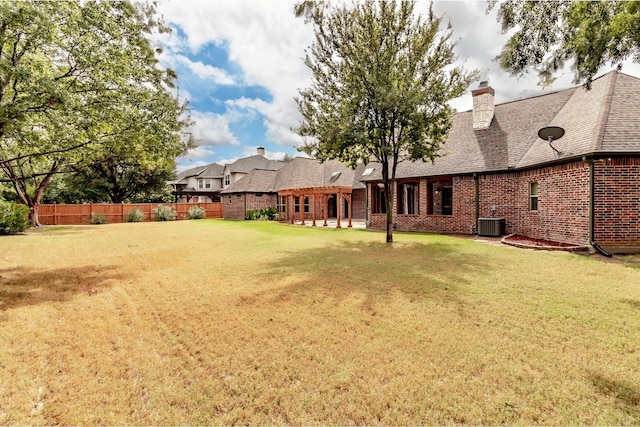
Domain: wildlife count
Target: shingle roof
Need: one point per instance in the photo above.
(247, 164)
(256, 181)
(601, 120)
(310, 173)
(299, 173)
(212, 170)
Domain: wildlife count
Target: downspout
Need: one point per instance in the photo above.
(592, 212)
(476, 188)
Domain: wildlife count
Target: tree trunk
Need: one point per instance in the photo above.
(388, 189)
(33, 214)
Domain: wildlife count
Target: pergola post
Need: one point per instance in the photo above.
(325, 198)
(292, 200)
(313, 213)
(338, 210)
(301, 207)
(347, 197)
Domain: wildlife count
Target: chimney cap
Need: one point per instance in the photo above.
(484, 83)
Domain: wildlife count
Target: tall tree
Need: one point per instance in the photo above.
(78, 81)
(383, 75)
(119, 179)
(548, 34)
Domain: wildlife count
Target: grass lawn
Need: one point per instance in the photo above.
(219, 322)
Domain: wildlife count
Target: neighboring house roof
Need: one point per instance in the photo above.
(256, 181)
(212, 170)
(247, 164)
(602, 120)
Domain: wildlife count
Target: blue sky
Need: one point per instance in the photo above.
(239, 64)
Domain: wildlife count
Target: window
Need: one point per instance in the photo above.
(200, 184)
(282, 204)
(534, 196)
(296, 204)
(207, 183)
(227, 180)
(306, 205)
(378, 199)
(440, 198)
(408, 198)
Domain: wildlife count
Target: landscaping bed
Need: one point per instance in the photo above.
(533, 243)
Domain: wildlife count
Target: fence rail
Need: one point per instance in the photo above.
(81, 214)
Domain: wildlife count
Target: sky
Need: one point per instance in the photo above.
(240, 66)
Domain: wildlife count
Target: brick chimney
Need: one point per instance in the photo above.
(261, 151)
(483, 106)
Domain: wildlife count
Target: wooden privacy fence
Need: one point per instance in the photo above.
(81, 214)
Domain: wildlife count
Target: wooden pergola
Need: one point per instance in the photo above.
(317, 196)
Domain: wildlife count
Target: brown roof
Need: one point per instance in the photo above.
(302, 172)
(605, 119)
(256, 181)
(247, 164)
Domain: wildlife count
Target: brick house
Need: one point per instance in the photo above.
(302, 190)
(496, 175)
(204, 183)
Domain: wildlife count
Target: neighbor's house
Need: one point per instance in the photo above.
(302, 190)
(497, 176)
(204, 183)
(200, 184)
(233, 172)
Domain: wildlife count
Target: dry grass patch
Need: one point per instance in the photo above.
(217, 322)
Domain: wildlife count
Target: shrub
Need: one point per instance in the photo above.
(14, 218)
(266, 214)
(251, 215)
(164, 213)
(196, 212)
(135, 215)
(98, 218)
(269, 213)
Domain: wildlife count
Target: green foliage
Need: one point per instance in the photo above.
(270, 213)
(135, 215)
(122, 178)
(14, 218)
(548, 34)
(196, 212)
(164, 213)
(266, 214)
(98, 218)
(251, 215)
(382, 78)
(80, 86)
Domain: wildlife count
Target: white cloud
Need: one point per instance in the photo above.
(267, 44)
(212, 129)
(206, 72)
(265, 39)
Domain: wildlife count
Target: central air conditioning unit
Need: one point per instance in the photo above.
(491, 227)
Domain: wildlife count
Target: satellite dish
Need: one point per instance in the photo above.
(551, 133)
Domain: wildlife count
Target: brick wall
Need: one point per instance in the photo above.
(235, 205)
(461, 221)
(563, 204)
(617, 203)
